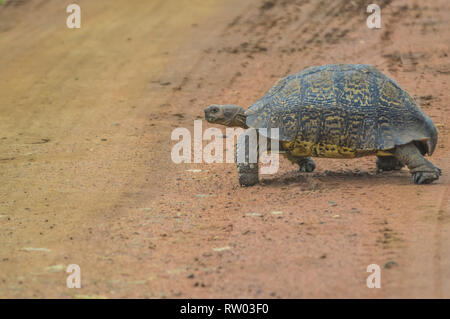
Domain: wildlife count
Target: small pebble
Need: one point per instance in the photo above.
(253, 214)
(54, 268)
(202, 195)
(390, 264)
(36, 249)
(194, 170)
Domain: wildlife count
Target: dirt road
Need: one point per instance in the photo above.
(86, 176)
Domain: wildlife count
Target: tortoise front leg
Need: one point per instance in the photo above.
(247, 157)
(423, 171)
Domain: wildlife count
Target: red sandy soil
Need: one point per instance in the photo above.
(86, 117)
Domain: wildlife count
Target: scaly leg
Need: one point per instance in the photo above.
(388, 163)
(423, 171)
(247, 157)
(306, 164)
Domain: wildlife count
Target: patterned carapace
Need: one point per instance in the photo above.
(342, 110)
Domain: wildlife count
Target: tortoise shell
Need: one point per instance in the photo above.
(342, 110)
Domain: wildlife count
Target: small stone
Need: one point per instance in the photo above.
(390, 264)
(336, 216)
(202, 195)
(36, 249)
(54, 268)
(277, 213)
(194, 170)
(253, 214)
(222, 248)
(176, 271)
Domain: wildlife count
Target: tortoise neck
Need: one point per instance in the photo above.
(239, 119)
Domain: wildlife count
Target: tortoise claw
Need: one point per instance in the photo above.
(247, 174)
(248, 179)
(426, 177)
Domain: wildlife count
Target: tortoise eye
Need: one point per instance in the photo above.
(214, 110)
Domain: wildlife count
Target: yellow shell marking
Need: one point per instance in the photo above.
(301, 148)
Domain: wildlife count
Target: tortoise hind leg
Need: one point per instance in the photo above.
(423, 171)
(306, 164)
(388, 163)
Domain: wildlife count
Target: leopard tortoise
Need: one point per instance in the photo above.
(338, 111)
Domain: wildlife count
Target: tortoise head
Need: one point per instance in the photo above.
(227, 114)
